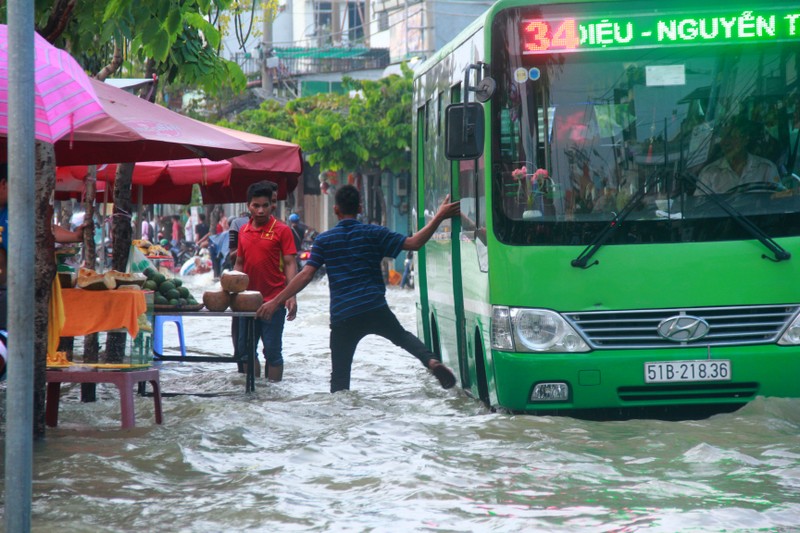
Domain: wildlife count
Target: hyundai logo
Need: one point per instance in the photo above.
(683, 328)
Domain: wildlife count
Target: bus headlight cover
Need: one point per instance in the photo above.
(791, 336)
(542, 330)
(502, 335)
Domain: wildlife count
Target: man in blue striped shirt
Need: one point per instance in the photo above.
(352, 253)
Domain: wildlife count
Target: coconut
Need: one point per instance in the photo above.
(217, 301)
(234, 281)
(246, 301)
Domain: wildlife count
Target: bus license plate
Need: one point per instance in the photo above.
(687, 371)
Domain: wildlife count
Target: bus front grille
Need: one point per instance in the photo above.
(694, 391)
(639, 329)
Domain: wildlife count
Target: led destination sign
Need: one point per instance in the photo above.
(542, 36)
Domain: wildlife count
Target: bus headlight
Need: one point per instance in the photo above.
(533, 330)
(791, 337)
(542, 330)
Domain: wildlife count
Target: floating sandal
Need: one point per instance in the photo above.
(446, 378)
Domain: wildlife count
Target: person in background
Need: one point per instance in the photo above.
(177, 233)
(234, 226)
(298, 230)
(201, 229)
(222, 222)
(188, 228)
(352, 252)
(266, 253)
(147, 229)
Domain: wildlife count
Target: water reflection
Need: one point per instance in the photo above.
(396, 453)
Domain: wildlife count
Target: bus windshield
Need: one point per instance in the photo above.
(582, 135)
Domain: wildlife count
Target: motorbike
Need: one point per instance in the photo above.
(304, 254)
(200, 263)
(408, 271)
(187, 250)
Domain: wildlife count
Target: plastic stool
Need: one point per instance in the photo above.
(158, 333)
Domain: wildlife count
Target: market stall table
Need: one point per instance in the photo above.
(250, 349)
(87, 312)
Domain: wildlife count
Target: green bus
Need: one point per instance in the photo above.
(630, 229)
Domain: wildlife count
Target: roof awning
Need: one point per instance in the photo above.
(323, 53)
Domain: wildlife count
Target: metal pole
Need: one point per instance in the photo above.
(267, 82)
(21, 189)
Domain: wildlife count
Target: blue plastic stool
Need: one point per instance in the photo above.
(158, 333)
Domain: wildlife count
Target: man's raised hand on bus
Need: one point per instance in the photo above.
(446, 210)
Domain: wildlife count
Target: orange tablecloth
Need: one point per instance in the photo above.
(94, 311)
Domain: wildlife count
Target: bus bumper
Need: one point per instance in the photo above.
(616, 379)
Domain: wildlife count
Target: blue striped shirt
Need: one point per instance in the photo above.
(352, 253)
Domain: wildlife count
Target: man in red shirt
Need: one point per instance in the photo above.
(266, 253)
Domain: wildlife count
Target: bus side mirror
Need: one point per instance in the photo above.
(464, 125)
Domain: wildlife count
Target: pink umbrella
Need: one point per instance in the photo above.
(161, 182)
(134, 129)
(278, 161)
(65, 98)
(137, 130)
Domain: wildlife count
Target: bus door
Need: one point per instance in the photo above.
(461, 175)
(468, 270)
(462, 182)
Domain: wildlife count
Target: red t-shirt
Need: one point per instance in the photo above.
(262, 251)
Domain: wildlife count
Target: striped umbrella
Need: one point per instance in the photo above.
(65, 98)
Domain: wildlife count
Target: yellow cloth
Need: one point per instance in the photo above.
(56, 318)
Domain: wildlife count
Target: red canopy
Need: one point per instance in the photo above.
(278, 161)
(68, 186)
(162, 182)
(137, 130)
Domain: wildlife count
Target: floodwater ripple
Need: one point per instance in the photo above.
(396, 453)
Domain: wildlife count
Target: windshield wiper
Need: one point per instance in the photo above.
(601, 238)
(780, 253)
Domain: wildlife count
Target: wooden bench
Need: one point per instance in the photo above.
(124, 380)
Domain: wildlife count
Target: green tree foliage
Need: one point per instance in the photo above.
(171, 38)
(369, 131)
(270, 119)
(385, 112)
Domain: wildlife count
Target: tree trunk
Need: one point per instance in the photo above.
(45, 272)
(60, 14)
(113, 66)
(121, 230)
(91, 344)
(380, 199)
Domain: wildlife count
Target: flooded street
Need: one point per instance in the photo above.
(397, 453)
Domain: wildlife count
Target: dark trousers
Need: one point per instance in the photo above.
(271, 334)
(346, 334)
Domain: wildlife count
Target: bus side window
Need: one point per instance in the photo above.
(466, 186)
(466, 183)
(428, 161)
